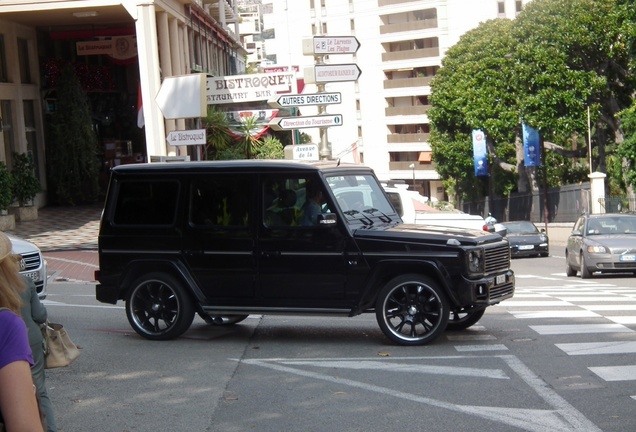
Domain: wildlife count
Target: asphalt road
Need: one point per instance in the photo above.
(557, 357)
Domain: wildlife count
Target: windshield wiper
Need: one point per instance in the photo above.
(384, 218)
(366, 220)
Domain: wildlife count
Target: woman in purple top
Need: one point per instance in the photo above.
(18, 405)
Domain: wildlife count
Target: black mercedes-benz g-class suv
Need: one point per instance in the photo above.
(233, 238)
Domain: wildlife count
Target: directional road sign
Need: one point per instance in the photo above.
(330, 45)
(183, 96)
(187, 137)
(332, 73)
(287, 123)
(306, 100)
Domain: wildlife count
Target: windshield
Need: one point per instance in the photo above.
(361, 199)
(520, 228)
(623, 224)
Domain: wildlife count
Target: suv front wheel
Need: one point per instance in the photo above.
(412, 310)
(158, 307)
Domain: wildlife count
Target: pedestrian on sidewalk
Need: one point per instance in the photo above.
(18, 403)
(34, 315)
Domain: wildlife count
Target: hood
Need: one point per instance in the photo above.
(429, 234)
(618, 243)
(22, 246)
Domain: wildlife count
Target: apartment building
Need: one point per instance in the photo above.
(402, 43)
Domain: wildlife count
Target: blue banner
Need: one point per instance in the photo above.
(531, 146)
(480, 153)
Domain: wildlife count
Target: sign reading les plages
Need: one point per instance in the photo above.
(247, 88)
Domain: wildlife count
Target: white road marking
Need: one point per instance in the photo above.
(532, 303)
(616, 373)
(563, 418)
(620, 307)
(475, 348)
(627, 320)
(555, 314)
(580, 329)
(593, 348)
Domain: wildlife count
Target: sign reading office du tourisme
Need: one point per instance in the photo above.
(248, 88)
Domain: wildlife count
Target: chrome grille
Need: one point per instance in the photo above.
(497, 258)
(32, 261)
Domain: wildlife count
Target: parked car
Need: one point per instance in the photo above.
(526, 239)
(603, 243)
(227, 239)
(32, 264)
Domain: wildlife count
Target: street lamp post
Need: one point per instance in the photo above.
(412, 166)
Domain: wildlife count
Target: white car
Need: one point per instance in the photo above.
(32, 264)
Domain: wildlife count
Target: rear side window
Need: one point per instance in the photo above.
(220, 200)
(146, 202)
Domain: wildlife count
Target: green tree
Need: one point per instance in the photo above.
(472, 90)
(249, 140)
(217, 131)
(71, 151)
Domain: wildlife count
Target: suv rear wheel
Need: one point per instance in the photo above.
(158, 307)
(412, 310)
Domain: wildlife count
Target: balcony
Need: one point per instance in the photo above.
(409, 26)
(407, 110)
(411, 54)
(407, 82)
(407, 138)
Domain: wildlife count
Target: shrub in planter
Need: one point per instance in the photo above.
(25, 184)
(6, 187)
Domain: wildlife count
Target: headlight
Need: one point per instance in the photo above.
(476, 260)
(596, 249)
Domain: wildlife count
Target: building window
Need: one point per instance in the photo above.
(31, 134)
(23, 60)
(518, 6)
(6, 117)
(501, 7)
(324, 28)
(3, 61)
(353, 24)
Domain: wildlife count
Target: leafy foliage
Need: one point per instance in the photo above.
(6, 187)
(71, 153)
(25, 184)
(271, 148)
(217, 130)
(556, 59)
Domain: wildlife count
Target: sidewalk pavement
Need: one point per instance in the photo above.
(67, 237)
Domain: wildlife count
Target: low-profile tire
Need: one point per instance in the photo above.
(223, 320)
(461, 319)
(412, 310)
(585, 272)
(569, 271)
(158, 307)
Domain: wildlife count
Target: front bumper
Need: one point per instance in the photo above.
(488, 290)
(529, 250)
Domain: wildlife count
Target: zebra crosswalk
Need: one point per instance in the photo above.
(604, 310)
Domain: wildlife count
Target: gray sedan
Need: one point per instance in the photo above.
(603, 243)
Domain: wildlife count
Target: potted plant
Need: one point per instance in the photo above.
(7, 221)
(25, 186)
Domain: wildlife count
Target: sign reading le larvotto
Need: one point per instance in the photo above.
(247, 88)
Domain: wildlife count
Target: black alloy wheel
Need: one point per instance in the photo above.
(158, 307)
(412, 310)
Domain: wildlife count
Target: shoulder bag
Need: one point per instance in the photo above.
(59, 349)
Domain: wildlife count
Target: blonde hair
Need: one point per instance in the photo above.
(11, 283)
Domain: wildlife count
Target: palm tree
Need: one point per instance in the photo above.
(218, 136)
(249, 130)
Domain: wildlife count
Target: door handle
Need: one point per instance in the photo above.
(270, 254)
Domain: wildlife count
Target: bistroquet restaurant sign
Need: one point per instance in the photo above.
(120, 47)
(248, 88)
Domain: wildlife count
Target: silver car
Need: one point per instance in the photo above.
(603, 243)
(32, 264)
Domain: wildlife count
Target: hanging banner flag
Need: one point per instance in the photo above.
(531, 146)
(480, 153)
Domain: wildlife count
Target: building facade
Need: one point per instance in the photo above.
(121, 49)
(402, 43)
